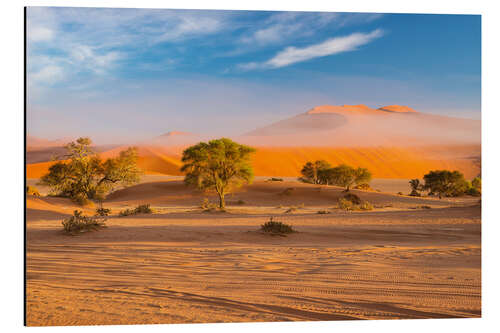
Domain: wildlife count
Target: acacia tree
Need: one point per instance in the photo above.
(85, 176)
(347, 176)
(416, 187)
(313, 171)
(445, 183)
(220, 165)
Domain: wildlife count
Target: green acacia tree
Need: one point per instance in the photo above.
(84, 176)
(445, 183)
(347, 176)
(220, 165)
(313, 172)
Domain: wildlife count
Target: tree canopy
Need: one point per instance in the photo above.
(445, 183)
(312, 172)
(85, 176)
(220, 165)
(320, 172)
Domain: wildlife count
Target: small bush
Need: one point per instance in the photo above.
(425, 207)
(102, 211)
(415, 193)
(79, 223)
(323, 212)
(126, 212)
(365, 205)
(345, 204)
(240, 202)
(353, 198)
(290, 210)
(400, 193)
(473, 191)
(276, 227)
(31, 190)
(288, 191)
(141, 209)
(364, 187)
(206, 205)
(275, 179)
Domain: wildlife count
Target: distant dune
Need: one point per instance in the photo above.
(392, 141)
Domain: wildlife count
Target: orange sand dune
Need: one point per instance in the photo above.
(383, 162)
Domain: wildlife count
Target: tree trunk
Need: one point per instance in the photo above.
(222, 201)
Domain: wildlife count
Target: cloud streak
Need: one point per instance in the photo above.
(292, 55)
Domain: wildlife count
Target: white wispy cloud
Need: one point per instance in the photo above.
(292, 55)
(280, 27)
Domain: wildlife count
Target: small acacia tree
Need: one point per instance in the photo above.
(445, 183)
(220, 165)
(347, 176)
(416, 187)
(313, 172)
(85, 176)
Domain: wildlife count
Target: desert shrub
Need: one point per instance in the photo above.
(353, 198)
(290, 210)
(79, 223)
(102, 211)
(425, 207)
(473, 191)
(365, 205)
(400, 193)
(276, 227)
(141, 209)
(240, 202)
(273, 179)
(477, 184)
(345, 204)
(288, 191)
(364, 187)
(415, 193)
(323, 212)
(126, 212)
(31, 190)
(206, 205)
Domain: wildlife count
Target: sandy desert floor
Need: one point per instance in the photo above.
(183, 265)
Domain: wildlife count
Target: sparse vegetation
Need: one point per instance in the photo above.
(345, 204)
(274, 227)
(31, 190)
(416, 187)
(320, 172)
(208, 206)
(350, 202)
(288, 191)
(313, 172)
(219, 165)
(353, 198)
(445, 183)
(79, 223)
(86, 177)
(364, 187)
(365, 205)
(400, 193)
(273, 179)
(323, 212)
(141, 209)
(102, 211)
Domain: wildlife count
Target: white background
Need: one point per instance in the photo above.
(12, 160)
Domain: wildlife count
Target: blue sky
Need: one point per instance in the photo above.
(129, 74)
